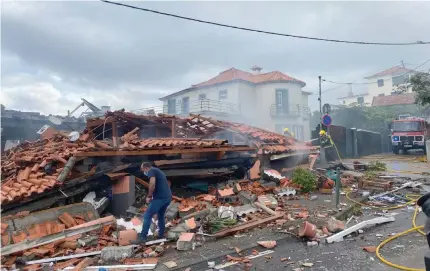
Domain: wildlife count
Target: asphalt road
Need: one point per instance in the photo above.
(348, 255)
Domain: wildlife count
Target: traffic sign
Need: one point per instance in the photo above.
(326, 120)
(326, 109)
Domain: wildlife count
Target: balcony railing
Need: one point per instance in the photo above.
(196, 107)
(291, 110)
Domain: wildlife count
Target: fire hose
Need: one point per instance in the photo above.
(414, 228)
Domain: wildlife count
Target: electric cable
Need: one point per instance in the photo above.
(264, 31)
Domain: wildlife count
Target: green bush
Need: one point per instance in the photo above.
(306, 179)
(377, 166)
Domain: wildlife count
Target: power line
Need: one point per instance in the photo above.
(263, 31)
(330, 89)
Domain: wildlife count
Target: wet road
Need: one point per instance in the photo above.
(347, 255)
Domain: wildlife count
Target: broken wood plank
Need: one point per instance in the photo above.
(247, 226)
(83, 228)
(164, 151)
(67, 168)
(142, 182)
(56, 259)
(265, 208)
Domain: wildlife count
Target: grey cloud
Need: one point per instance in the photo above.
(108, 52)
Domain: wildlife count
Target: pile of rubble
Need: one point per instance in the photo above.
(42, 182)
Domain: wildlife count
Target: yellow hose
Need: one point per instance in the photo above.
(414, 228)
(401, 267)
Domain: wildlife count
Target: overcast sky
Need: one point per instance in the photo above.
(54, 53)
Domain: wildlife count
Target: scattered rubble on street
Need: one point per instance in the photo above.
(78, 203)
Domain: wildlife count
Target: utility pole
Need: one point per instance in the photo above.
(319, 97)
(323, 159)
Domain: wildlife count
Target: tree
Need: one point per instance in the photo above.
(420, 84)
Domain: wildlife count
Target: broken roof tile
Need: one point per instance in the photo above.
(225, 192)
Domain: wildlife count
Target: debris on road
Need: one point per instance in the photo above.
(220, 189)
(369, 249)
(267, 244)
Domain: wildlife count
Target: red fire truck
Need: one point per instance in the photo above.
(409, 133)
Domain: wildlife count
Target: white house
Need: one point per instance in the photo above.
(388, 82)
(271, 100)
(383, 83)
(357, 99)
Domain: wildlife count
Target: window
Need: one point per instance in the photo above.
(399, 80)
(223, 94)
(380, 82)
(185, 105)
(202, 96)
(360, 100)
(171, 106)
(279, 100)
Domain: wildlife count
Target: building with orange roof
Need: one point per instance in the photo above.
(269, 100)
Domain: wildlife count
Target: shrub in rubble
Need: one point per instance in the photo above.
(305, 179)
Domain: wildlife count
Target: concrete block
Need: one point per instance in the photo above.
(245, 209)
(172, 211)
(268, 200)
(116, 253)
(174, 233)
(286, 191)
(245, 197)
(186, 241)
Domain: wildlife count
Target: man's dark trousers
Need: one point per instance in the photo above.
(159, 207)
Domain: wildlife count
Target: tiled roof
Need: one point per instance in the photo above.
(392, 70)
(398, 99)
(23, 168)
(171, 142)
(236, 74)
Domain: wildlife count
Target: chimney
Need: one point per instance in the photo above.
(256, 69)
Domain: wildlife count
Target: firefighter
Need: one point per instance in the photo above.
(287, 132)
(324, 139)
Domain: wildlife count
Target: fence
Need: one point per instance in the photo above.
(351, 142)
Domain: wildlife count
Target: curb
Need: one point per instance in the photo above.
(343, 215)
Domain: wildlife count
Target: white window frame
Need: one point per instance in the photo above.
(223, 94)
(202, 96)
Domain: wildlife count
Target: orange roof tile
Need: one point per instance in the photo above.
(397, 99)
(225, 192)
(236, 74)
(392, 70)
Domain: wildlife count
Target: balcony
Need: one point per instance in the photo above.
(205, 106)
(290, 110)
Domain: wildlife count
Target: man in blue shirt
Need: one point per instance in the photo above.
(159, 197)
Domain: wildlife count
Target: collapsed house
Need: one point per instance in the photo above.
(102, 167)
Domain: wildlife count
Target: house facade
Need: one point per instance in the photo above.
(271, 100)
(358, 99)
(384, 83)
(388, 82)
